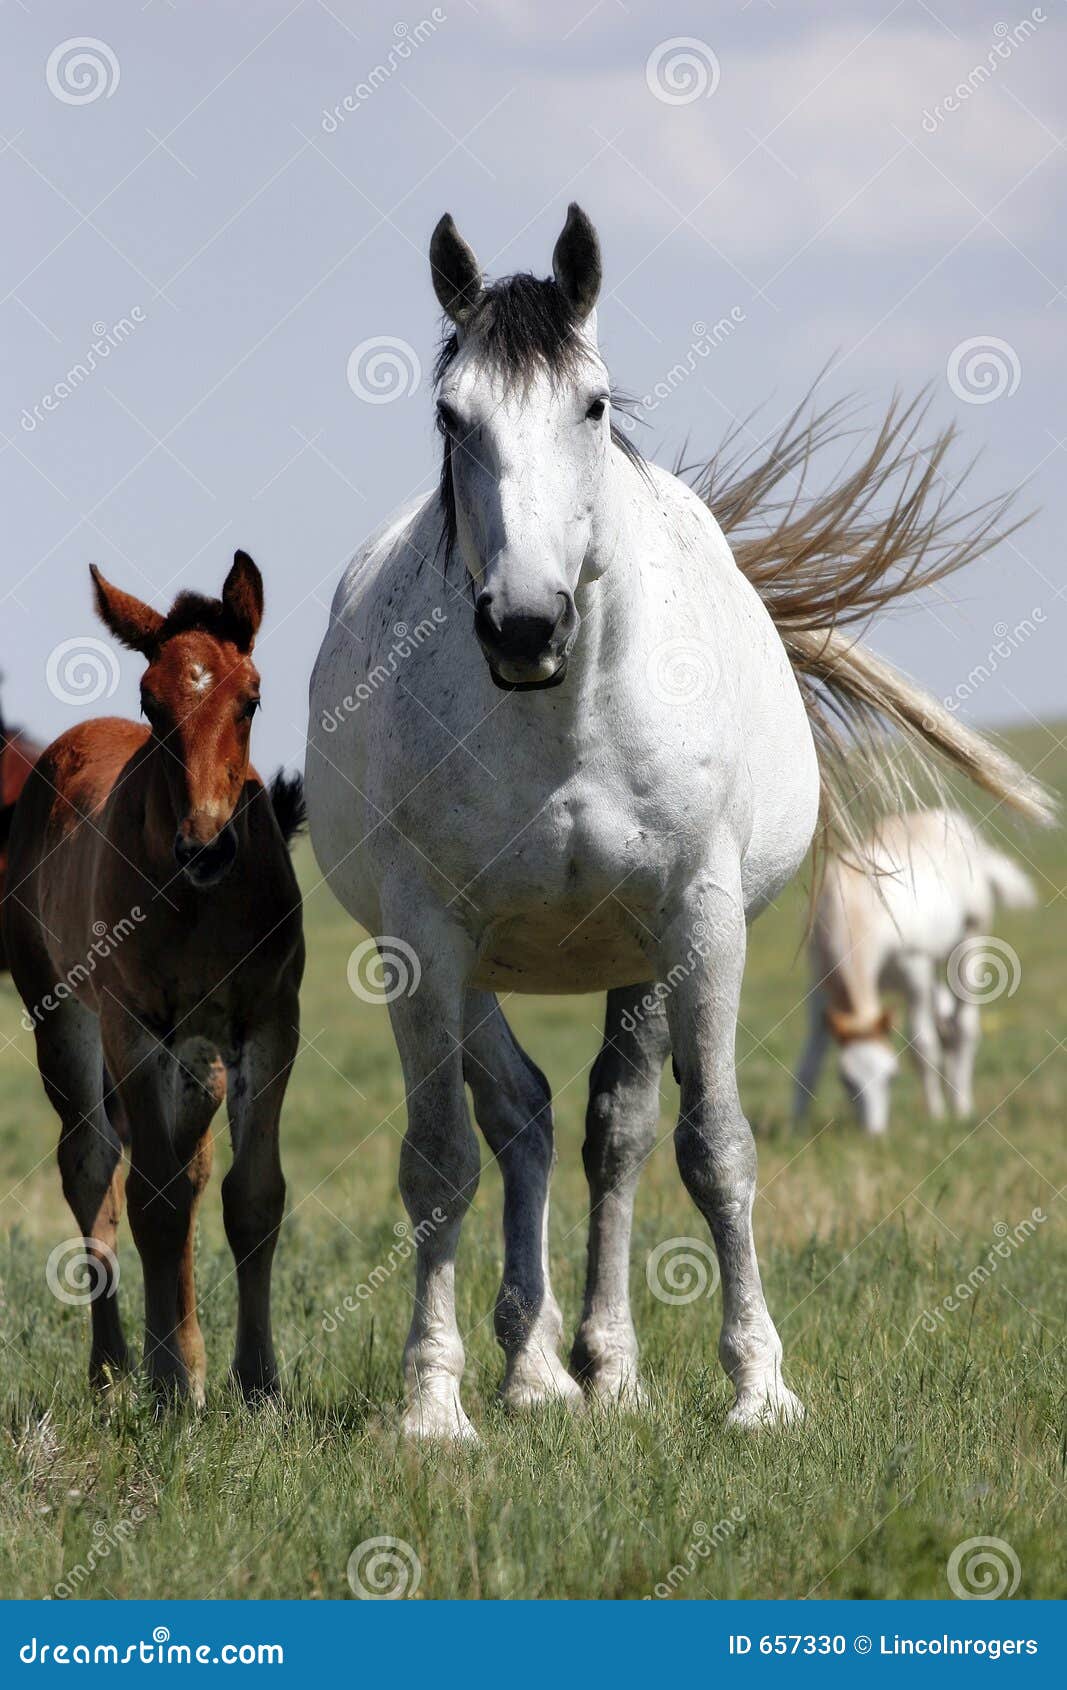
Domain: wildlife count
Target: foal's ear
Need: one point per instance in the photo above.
(457, 278)
(576, 262)
(242, 596)
(133, 622)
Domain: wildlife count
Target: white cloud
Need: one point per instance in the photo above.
(842, 108)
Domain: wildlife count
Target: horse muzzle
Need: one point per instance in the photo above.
(526, 652)
(206, 865)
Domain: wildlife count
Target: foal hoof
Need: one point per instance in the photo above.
(771, 1410)
(174, 1393)
(105, 1372)
(257, 1389)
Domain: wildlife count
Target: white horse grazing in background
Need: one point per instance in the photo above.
(595, 768)
(912, 916)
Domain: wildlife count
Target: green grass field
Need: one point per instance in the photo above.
(915, 1440)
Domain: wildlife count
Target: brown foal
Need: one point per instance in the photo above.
(154, 932)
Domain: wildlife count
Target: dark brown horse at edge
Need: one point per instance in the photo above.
(153, 925)
(18, 754)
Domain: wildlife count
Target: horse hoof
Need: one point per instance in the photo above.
(766, 1411)
(622, 1391)
(527, 1394)
(439, 1423)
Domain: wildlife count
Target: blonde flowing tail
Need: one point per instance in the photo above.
(891, 522)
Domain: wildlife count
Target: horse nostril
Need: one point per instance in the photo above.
(568, 617)
(484, 625)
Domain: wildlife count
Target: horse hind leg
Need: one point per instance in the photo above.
(513, 1108)
(714, 1144)
(959, 1029)
(620, 1131)
(90, 1165)
(918, 978)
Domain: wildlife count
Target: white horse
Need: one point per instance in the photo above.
(591, 768)
(912, 916)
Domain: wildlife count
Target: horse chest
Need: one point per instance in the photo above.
(564, 895)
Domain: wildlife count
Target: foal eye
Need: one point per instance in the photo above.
(596, 410)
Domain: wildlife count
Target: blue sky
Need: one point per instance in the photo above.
(882, 186)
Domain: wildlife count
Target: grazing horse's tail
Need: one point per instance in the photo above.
(1011, 887)
(890, 523)
(287, 802)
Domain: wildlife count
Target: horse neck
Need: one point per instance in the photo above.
(848, 962)
(607, 602)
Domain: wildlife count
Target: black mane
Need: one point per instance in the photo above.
(523, 326)
(195, 611)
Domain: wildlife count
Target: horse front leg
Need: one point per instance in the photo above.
(703, 954)
(253, 1192)
(513, 1107)
(810, 1065)
(439, 1161)
(620, 1131)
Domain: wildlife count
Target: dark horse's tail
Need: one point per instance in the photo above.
(287, 802)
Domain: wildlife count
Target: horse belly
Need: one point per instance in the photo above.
(574, 903)
(567, 948)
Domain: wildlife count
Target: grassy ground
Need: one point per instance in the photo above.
(915, 1440)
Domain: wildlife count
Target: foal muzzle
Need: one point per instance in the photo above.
(206, 865)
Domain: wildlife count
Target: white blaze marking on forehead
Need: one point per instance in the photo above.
(200, 677)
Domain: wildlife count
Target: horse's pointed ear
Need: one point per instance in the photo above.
(242, 596)
(131, 621)
(457, 278)
(576, 262)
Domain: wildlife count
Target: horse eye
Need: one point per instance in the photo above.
(249, 710)
(447, 418)
(596, 410)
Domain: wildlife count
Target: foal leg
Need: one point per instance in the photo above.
(90, 1163)
(161, 1192)
(918, 977)
(715, 1148)
(620, 1130)
(514, 1110)
(253, 1192)
(200, 1083)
